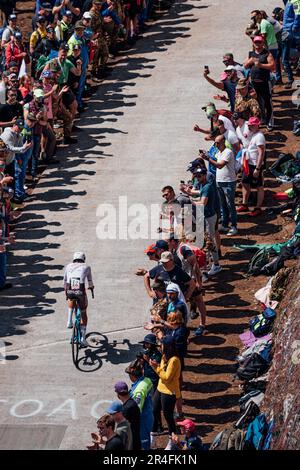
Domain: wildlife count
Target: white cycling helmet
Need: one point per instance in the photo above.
(79, 255)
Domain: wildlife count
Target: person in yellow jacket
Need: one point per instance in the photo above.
(168, 389)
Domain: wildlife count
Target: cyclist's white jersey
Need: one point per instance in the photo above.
(76, 274)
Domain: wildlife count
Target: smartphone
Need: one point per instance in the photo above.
(206, 68)
(182, 182)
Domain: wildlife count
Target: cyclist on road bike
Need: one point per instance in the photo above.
(76, 275)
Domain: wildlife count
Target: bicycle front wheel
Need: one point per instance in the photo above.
(75, 344)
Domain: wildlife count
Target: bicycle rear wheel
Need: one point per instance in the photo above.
(75, 344)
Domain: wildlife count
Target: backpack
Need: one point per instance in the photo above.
(229, 439)
(256, 433)
(262, 324)
(244, 401)
(260, 259)
(200, 254)
(254, 366)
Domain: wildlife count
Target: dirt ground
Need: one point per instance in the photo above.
(210, 395)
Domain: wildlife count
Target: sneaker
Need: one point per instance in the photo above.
(243, 208)
(70, 325)
(200, 330)
(269, 127)
(194, 315)
(223, 229)
(256, 212)
(205, 277)
(215, 269)
(83, 343)
(232, 231)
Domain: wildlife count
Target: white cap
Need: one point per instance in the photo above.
(87, 15)
(229, 67)
(79, 255)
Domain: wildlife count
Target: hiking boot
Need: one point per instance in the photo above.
(256, 212)
(243, 208)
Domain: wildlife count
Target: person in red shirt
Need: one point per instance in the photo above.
(15, 51)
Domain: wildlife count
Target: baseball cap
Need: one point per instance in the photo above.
(168, 340)
(47, 74)
(200, 171)
(166, 257)
(18, 34)
(41, 19)
(64, 47)
(172, 288)
(223, 76)
(46, 6)
(115, 407)
(150, 249)
(229, 68)
(68, 13)
(79, 25)
(242, 83)
(87, 15)
(258, 39)
(121, 387)
(38, 93)
(150, 338)
(188, 424)
(254, 121)
(19, 123)
(77, 46)
(161, 245)
(31, 117)
(237, 115)
(13, 76)
(12, 17)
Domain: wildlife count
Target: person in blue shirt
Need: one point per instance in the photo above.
(290, 35)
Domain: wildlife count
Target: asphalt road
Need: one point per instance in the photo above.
(137, 136)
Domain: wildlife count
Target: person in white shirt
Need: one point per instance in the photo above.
(230, 136)
(76, 275)
(226, 184)
(253, 166)
(242, 130)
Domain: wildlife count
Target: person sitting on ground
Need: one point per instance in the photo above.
(192, 441)
(131, 412)
(122, 428)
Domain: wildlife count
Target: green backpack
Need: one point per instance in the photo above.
(260, 259)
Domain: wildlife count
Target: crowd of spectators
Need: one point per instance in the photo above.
(238, 156)
(44, 80)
